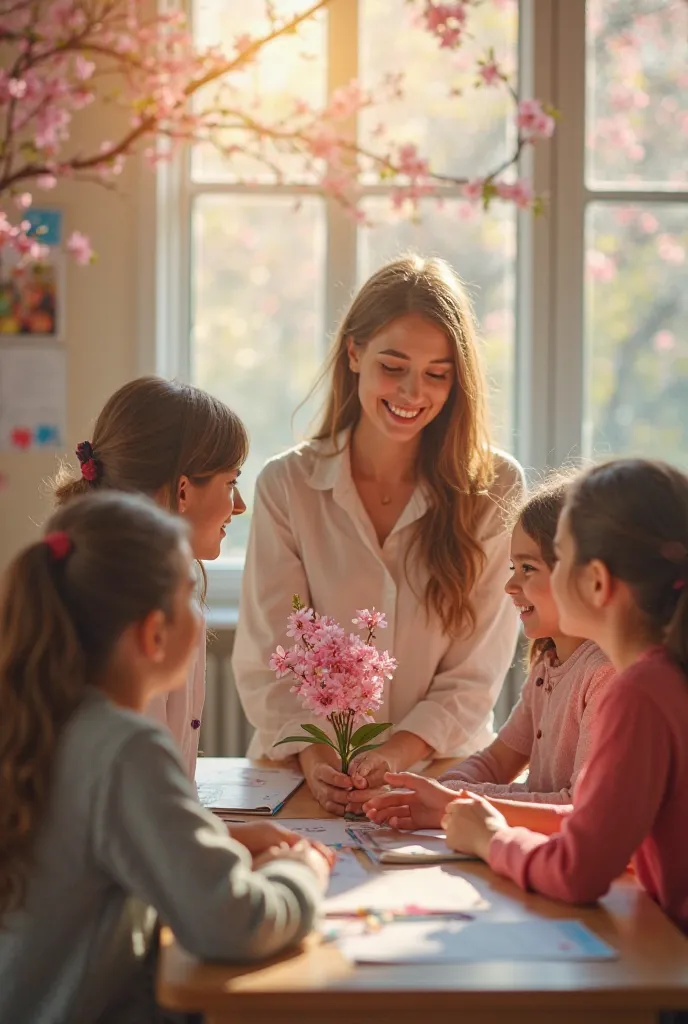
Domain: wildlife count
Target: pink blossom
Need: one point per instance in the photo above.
(346, 101)
(23, 201)
(473, 190)
(410, 163)
(46, 181)
(300, 622)
(519, 192)
(84, 68)
(533, 121)
(664, 341)
(79, 247)
(670, 250)
(370, 619)
(490, 72)
(16, 87)
(600, 267)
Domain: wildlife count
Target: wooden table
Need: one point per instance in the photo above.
(315, 984)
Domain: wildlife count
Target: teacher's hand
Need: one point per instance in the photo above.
(367, 773)
(329, 786)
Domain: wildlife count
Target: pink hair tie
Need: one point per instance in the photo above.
(59, 543)
(679, 584)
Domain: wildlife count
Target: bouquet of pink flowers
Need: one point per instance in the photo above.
(338, 675)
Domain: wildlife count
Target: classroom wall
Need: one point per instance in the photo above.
(102, 327)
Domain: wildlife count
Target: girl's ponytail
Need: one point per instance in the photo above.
(42, 678)
(110, 560)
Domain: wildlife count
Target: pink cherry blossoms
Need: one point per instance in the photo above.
(58, 57)
(338, 675)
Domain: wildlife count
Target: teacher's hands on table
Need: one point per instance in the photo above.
(420, 803)
(470, 822)
(316, 857)
(329, 786)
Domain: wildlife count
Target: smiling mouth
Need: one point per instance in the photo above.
(398, 412)
(525, 609)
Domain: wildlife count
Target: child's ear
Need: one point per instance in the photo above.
(183, 494)
(354, 355)
(600, 584)
(152, 635)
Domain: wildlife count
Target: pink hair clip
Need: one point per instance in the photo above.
(59, 543)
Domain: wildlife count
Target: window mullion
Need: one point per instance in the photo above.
(341, 248)
(568, 225)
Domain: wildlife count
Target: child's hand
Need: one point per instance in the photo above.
(420, 804)
(258, 836)
(470, 823)
(318, 858)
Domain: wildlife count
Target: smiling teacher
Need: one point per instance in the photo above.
(397, 503)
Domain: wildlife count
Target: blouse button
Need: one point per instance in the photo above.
(195, 723)
(539, 734)
(539, 682)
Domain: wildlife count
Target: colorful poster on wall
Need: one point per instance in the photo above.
(32, 293)
(33, 398)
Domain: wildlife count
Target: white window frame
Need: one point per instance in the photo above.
(550, 408)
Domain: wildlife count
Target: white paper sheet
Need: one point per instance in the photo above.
(330, 831)
(230, 784)
(400, 889)
(389, 846)
(441, 942)
(33, 398)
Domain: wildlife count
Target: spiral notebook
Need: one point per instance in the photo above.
(231, 785)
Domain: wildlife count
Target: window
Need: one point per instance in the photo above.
(636, 229)
(583, 312)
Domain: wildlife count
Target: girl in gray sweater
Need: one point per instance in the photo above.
(100, 828)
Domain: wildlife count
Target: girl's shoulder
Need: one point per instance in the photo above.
(509, 478)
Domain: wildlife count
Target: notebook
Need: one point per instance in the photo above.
(389, 846)
(233, 785)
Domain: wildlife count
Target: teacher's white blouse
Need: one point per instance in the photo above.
(310, 535)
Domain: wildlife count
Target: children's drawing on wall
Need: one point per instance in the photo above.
(32, 292)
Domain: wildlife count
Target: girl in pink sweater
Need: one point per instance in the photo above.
(549, 729)
(620, 580)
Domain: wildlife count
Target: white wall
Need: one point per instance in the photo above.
(101, 333)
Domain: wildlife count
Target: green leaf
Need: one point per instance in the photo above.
(369, 732)
(296, 739)
(319, 734)
(362, 750)
(296, 603)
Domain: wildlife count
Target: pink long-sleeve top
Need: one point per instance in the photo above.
(551, 725)
(630, 802)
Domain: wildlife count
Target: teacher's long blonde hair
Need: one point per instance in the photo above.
(455, 460)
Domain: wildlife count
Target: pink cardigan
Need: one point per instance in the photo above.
(630, 801)
(181, 710)
(551, 725)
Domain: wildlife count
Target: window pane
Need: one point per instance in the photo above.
(482, 249)
(257, 318)
(637, 130)
(637, 330)
(290, 68)
(465, 135)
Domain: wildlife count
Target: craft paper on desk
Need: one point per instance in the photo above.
(33, 398)
(444, 942)
(389, 846)
(330, 831)
(229, 784)
(424, 888)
